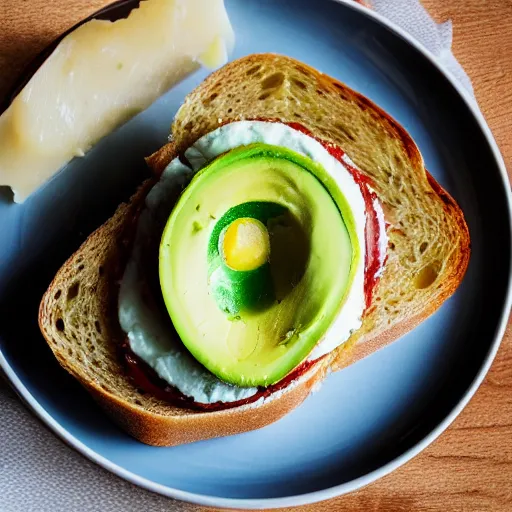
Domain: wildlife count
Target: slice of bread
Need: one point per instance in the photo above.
(428, 248)
(429, 245)
(78, 318)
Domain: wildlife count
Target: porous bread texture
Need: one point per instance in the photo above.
(428, 249)
(78, 317)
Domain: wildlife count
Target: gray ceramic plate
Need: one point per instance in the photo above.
(367, 419)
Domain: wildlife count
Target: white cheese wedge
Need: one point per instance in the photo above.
(100, 76)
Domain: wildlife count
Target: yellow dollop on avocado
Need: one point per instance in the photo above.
(245, 244)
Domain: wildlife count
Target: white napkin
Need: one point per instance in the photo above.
(40, 473)
(412, 17)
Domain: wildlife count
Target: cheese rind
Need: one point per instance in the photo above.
(100, 76)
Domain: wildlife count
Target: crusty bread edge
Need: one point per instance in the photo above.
(360, 348)
(160, 430)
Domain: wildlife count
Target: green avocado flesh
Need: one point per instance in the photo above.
(251, 327)
(238, 293)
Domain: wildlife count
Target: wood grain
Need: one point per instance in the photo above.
(469, 468)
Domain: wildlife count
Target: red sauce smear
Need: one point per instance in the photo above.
(147, 380)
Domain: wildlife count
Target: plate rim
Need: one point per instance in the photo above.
(358, 483)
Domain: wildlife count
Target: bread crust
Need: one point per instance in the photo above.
(160, 430)
(360, 348)
(175, 425)
(170, 427)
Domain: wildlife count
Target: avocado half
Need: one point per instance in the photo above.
(255, 261)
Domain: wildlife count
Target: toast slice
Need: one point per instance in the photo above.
(78, 318)
(428, 246)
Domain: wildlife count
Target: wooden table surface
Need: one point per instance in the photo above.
(469, 468)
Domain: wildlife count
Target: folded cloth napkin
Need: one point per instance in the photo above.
(39, 473)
